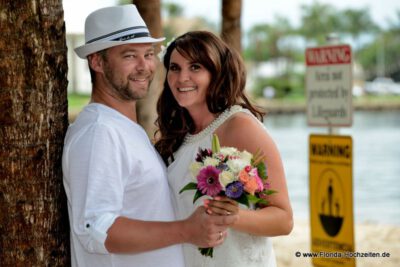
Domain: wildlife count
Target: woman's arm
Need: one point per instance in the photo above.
(245, 133)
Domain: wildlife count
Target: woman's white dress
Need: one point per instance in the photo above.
(239, 249)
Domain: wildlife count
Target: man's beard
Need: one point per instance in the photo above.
(122, 90)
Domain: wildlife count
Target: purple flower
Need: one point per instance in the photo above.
(267, 185)
(207, 181)
(234, 190)
(222, 166)
(202, 154)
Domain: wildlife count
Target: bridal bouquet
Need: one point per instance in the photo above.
(226, 171)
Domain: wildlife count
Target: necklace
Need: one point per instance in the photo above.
(191, 138)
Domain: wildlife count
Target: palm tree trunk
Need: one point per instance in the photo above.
(33, 120)
(231, 29)
(146, 108)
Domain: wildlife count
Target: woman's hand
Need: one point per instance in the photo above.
(221, 206)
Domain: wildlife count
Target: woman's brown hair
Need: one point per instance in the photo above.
(227, 87)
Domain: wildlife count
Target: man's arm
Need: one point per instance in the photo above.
(133, 236)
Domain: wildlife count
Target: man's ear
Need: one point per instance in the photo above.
(96, 62)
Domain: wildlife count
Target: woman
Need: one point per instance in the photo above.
(204, 94)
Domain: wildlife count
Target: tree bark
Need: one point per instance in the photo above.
(146, 108)
(231, 26)
(33, 120)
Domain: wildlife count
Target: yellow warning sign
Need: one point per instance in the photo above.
(331, 200)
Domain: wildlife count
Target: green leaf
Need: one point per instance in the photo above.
(263, 202)
(197, 195)
(262, 170)
(208, 252)
(243, 200)
(189, 186)
(270, 192)
(253, 199)
(215, 147)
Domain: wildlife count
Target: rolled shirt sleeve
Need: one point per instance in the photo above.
(95, 173)
(97, 229)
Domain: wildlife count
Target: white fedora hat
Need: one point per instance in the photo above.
(112, 26)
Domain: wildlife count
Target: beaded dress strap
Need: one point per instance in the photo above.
(191, 138)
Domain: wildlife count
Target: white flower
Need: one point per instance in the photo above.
(253, 172)
(225, 178)
(164, 50)
(194, 169)
(228, 151)
(246, 156)
(236, 165)
(208, 161)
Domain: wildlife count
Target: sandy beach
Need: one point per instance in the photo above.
(369, 237)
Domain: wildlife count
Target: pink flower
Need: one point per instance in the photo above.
(207, 181)
(221, 157)
(260, 184)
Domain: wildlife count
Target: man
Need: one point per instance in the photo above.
(118, 197)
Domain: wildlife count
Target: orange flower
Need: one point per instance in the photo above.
(251, 186)
(244, 176)
(249, 182)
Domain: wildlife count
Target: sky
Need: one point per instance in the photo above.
(253, 12)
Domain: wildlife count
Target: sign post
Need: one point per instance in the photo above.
(331, 200)
(329, 85)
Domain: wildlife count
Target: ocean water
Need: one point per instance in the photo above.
(376, 162)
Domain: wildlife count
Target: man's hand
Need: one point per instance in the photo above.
(204, 230)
